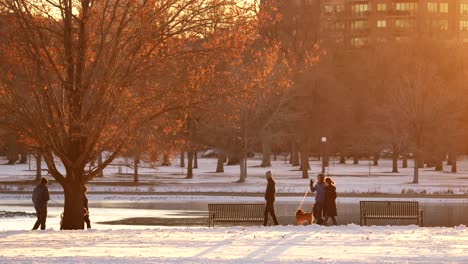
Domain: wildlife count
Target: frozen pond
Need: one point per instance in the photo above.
(110, 213)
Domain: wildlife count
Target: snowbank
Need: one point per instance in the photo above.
(291, 244)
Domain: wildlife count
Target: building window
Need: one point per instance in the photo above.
(381, 23)
(359, 9)
(339, 8)
(381, 7)
(358, 42)
(463, 25)
(359, 25)
(410, 8)
(401, 39)
(404, 23)
(443, 25)
(464, 9)
(328, 9)
(339, 25)
(381, 39)
(440, 25)
(443, 7)
(432, 7)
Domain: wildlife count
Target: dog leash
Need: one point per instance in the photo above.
(52, 200)
(303, 199)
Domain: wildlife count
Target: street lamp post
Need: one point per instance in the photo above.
(324, 159)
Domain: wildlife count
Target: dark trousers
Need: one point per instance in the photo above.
(41, 218)
(87, 221)
(317, 211)
(269, 209)
(333, 218)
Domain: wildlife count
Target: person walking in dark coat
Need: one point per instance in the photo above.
(319, 190)
(86, 208)
(270, 199)
(329, 206)
(40, 197)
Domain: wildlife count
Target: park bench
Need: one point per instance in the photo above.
(235, 213)
(392, 210)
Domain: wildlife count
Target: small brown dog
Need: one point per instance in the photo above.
(302, 217)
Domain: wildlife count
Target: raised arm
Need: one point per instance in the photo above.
(312, 187)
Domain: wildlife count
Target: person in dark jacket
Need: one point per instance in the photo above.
(329, 206)
(319, 190)
(270, 199)
(40, 197)
(86, 208)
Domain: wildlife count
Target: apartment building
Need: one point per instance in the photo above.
(356, 23)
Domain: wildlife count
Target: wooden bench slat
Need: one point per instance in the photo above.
(390, 210)
(235, 213)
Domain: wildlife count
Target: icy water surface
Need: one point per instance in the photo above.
(174, 211)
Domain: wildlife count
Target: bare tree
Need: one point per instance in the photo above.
(87, 64)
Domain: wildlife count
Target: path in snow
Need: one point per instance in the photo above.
(292, 244)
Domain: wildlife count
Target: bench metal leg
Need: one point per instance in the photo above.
(210, 221)
(420, 217)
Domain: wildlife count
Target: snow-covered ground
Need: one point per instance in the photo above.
(165, 193)
(291, 244)
(356, 179)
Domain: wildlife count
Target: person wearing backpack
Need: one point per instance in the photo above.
(40, 197)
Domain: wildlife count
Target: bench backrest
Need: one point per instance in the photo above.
(236, 212)
(389, 208)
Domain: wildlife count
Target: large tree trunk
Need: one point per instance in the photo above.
(190, 165)
(376, 159)
(12, 152)
(243, 169)
(305, 166)
(182, 159)
(342, 159)
(395, 155)
(450, 159)
(73, 214)
(266, 150)
(38, 167)
(454, 163)
(326, 155)
(220, 165)
(416, 168)
(355, 159)
(195, 160)
(439, 166)
(23, 154)
(294, 155)
(404, 162)
(136, 161)
(166, 160)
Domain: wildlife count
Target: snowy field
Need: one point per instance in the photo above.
(310, 244)
(350, 179)
(165, 193)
